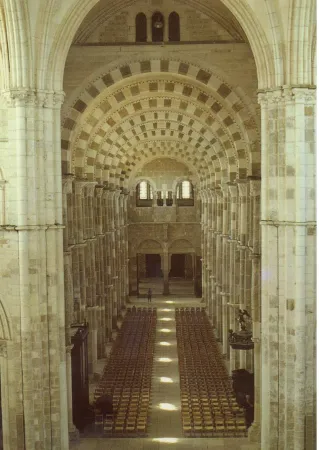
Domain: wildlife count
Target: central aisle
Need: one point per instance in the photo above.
(166, 403)
(165, 428)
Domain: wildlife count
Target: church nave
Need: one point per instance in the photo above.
(167, 401)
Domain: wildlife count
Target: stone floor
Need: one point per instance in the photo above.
(165, 429)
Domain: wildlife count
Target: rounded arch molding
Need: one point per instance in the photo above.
(149, 246)
(139, 179)
(88, 104)
(5, 328)
(181, 246)
(242, 11)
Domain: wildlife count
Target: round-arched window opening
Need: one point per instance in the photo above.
(157, 27)
(173, 27)
(144, 194)
(140, 28)
(185, 194)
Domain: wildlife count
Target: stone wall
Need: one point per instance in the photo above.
(164, 234)
(234, 61)
(194, 25)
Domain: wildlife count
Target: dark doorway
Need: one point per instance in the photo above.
(153, 266)
(177, 266)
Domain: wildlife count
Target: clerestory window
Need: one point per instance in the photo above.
(140, 28)
(173, 27)
(157, 27)
(185, 194)
(144, 194)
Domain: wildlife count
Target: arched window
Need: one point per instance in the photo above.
(185, 194)
(157, 27)
(144, 194)
(173, 27)
(140, 28)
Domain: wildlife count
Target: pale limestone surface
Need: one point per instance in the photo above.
(124, 106)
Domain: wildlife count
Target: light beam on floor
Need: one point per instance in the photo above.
(164, 360)
(166, 319)
(165, 330)
(168, 407)
(169, 301)
(166, 380)
(166, 440)
(165, 344)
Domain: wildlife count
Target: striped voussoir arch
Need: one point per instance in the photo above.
(133, 164)
(209, 141)
(94, 131)
(182, 153)
(151, 124)
(203, 77)
(150, 150)
(201, 112)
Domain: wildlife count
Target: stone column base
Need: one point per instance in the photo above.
(74, 434)
(254, 433)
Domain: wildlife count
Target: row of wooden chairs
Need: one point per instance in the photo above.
(209, 407)
(128, 374)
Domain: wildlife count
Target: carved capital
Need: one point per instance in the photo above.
(79, 187)
(232, 187)
(67, 181)
(90, 188)
(305, 95)
(288, 94)
(33, 97)
(255, 186)
(108, 193)
(224, 189)
(242, 187)
(57, 99)
(99, 190)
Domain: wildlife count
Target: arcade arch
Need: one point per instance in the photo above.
(95, 199)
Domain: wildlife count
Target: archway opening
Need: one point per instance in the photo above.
(185, 129)
(178, 266)
(153, 266)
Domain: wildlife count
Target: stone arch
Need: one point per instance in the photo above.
(191, 71)
(181, 246)
(242, 11)
(5, 328)
(137, 181)
(4, 52)
(94, 142)
(215, 135)
(314, 58)
(82, 103)
(180, 179)
(153, 156)
(148, 245)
